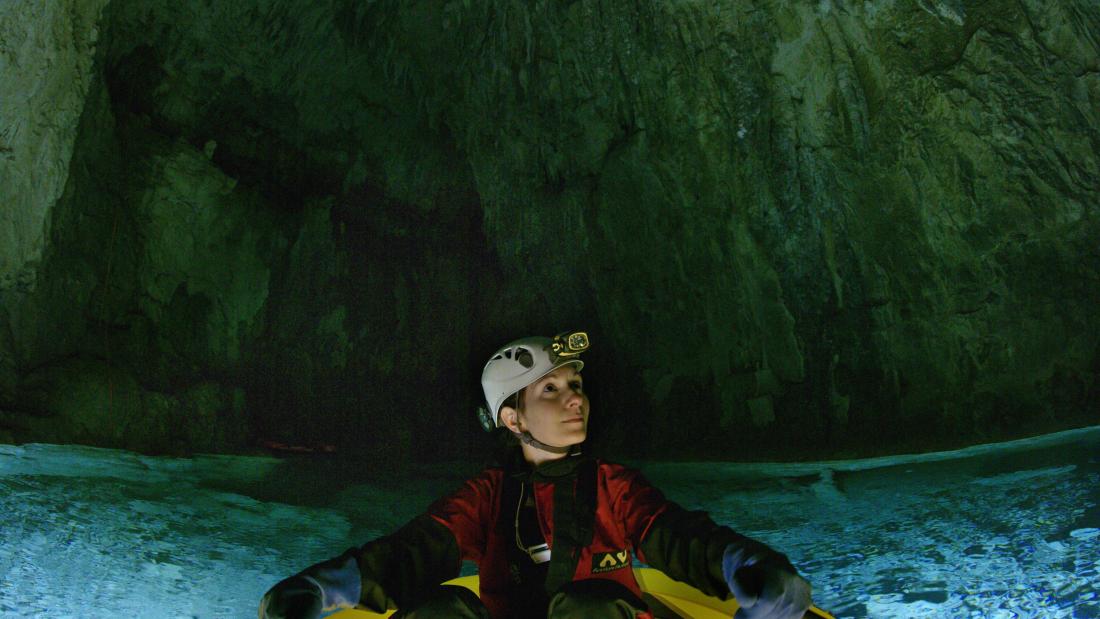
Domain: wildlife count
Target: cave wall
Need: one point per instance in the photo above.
(45, 69)
(807, 229)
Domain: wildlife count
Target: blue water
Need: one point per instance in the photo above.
(997, 531)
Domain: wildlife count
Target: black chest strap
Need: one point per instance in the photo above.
(574, 522)
(575, 497)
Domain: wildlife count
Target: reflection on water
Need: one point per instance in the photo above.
(1010, 530)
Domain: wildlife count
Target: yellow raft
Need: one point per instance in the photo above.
(677, 599)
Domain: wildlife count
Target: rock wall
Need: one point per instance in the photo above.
(793, 229)
(46, 54)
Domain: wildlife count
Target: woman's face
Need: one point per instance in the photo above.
(555, 408)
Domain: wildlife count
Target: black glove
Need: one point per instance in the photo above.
(322, 587)
(764, 582)
(296, 597)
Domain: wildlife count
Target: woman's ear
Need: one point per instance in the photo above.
(510, 418)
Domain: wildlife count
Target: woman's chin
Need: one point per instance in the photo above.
(576, 437)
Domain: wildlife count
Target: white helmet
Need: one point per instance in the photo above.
(523, 362)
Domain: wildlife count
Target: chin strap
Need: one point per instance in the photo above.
(527, 439)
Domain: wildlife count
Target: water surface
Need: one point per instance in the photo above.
(997, 531)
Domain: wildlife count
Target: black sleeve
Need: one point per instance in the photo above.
(398, 569)
(688, 546)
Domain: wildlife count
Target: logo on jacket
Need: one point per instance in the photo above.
(610, 561)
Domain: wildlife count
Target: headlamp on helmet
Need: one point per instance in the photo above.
(570, 344)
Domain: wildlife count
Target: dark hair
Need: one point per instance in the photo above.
(514, 401)
(507, 440)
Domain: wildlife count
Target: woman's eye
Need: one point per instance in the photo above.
(577, 387)
(550, 388)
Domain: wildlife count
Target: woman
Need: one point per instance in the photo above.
(552, 530)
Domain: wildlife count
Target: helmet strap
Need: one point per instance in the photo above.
(527, 439)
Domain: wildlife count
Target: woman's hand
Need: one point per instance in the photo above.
(764, 582)
(322, 587)
(297, 597)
